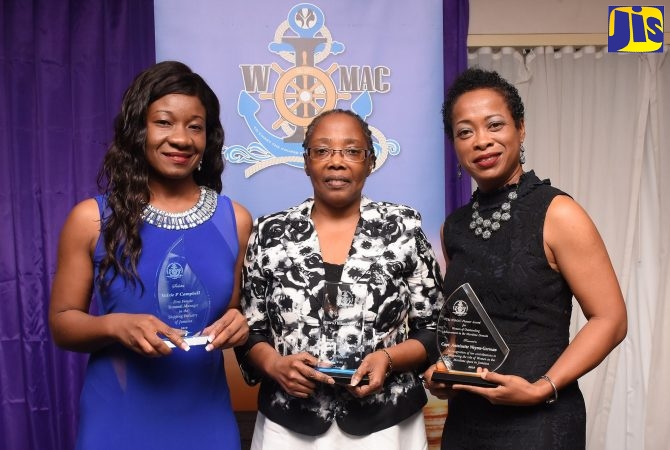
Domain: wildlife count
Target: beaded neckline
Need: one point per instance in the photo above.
(202, 211)
(485, 228)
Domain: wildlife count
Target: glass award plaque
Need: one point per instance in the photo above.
(341, 334)
(183, 302)
(467, 339)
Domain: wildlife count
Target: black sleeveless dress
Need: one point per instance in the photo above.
(530, 305)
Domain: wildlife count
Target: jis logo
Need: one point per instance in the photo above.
(301, 91)
(635, 29)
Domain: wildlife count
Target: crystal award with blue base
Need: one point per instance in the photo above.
(467, 340)
(341, 339)
(183, 301)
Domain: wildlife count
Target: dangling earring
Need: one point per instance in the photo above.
(200, 166)
(522, 155)
(459, 174)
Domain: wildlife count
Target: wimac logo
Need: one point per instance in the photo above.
(635, 29)
(294, 94)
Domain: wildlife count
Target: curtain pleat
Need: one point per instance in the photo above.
(596, 126)
(63, 68)
(455, 19)
(657, 431)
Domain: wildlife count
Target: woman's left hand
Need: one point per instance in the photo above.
(229, 331)
(374, 365)
(511, 390)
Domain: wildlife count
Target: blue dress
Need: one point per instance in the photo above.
(179, 401)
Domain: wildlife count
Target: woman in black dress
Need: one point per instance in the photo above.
(526, 248)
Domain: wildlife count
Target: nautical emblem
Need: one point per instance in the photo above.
(302, 91)
(460, 308)
(174, 271)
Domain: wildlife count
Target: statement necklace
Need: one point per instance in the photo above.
(485, 227)
(202, 211)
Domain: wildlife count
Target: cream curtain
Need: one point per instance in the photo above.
(597, 126)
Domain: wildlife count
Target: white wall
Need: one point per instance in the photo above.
(544, 22)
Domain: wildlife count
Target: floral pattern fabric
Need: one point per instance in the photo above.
(393, 272)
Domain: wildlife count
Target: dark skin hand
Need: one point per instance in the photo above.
(297, 374)
(374, 365)
(506, 393)
(230, 330)
(442, 391)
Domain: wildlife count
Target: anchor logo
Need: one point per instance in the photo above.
(302, 91)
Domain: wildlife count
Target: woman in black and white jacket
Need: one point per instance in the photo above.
(381, 252)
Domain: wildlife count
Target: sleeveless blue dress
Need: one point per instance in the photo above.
(179, 401)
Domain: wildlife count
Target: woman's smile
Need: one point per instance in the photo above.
(179, 158)
(486, 161)
(337, 182)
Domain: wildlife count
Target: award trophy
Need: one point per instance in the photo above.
(467, 339)
(183, 302)
(341, 332)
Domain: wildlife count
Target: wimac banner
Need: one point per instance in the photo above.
(276, 64)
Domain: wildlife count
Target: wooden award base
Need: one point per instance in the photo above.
(457, 377)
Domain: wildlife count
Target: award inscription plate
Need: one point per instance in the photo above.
(183, 302)
(341, 343)
(467, 339)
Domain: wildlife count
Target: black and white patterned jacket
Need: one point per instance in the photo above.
(283, 275)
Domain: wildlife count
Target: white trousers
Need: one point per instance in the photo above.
(410, 434)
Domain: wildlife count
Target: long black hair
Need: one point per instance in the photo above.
(124, 175)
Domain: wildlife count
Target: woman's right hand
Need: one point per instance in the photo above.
(296, 374)
(142, 333)
(442, 391)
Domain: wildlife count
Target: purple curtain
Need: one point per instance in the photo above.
(64, 67)
(456, 15)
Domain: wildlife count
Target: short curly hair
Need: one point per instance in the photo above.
(365, 128)
(475, 78)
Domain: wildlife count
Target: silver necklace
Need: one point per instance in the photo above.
(485, 227)
(201, 212)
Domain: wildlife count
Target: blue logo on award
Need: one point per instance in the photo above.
(635, 29)
(174, 271)
(301, 91)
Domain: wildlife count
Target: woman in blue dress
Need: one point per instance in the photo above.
(160, 251)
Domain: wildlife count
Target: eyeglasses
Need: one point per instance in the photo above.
(349, 154)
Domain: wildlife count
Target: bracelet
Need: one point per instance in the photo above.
(552, 399)
(390, 368)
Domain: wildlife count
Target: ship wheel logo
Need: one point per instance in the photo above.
(304, 92)
(299, 94)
